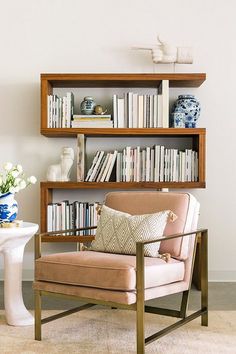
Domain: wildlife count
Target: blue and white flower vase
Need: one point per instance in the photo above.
(190, 106)
(178, 119)
(8, 207)
(87, 105)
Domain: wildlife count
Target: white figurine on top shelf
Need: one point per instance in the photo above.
(61, 171)
(164, 52)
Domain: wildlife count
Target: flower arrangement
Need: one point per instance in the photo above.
(14, 179)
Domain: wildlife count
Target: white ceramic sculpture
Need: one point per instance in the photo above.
(61, 171)
(164, 52)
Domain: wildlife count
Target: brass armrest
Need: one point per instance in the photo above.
(170, 237)
(50, 233)
(65, 238)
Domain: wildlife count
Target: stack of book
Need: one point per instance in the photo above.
(65, 215)
(102, 167)
(142, 111)
(60, 110)
(149, 164)
(92, 121)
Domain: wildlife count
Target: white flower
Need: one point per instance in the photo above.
(22, 184)
(19, 168)
(17, 181)
(32, 179)
(12, 189)
(15, 173)
(8, 166)
(17, 189)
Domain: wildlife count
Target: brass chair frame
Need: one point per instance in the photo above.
(139, 306)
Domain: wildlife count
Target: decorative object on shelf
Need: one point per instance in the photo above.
(13, 181)
(98, 109)
(190, 106)
(61, 171)
(87, 105)
(8, 225)
(164, 52)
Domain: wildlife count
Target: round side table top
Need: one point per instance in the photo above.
(12, 237)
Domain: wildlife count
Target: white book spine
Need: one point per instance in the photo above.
(152, 166)
(135, 110)
(121, 112)
(155, 111)
(104, 163)
(165, 103)
(115, 111)
(157, 163)
(162, 153)
(91, 178)
(111, 166)
(49, 217)
(140, 111)
(107, 167)
(130, 109)
(148, 161)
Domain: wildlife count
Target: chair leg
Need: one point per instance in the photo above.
(140, 327)
(184, 304)
(140, 298)
(204, 278)
(37, 314)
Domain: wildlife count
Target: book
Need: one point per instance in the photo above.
(109, 172)
(115, 110)
(82, 117)
(140, 111)
(121, 112)
(92, 124)
(135, 111)
(91, 178)
(92, 166)
(110, 156)
(165, 103)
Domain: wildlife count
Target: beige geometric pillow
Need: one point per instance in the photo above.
(118, 232)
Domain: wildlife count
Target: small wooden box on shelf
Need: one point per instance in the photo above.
(197, 135)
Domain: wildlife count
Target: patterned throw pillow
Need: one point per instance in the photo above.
(118, 232)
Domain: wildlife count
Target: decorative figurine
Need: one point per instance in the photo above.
(99, 110)
(164, 52)
(61, 171)
(190, 107)
(87, 105)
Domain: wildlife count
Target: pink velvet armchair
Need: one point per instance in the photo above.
(128, 281)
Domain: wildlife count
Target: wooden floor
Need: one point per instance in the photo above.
(221, 297)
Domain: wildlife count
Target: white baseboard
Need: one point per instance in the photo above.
(214, 276)
(222, 276)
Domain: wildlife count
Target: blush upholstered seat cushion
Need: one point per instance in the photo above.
(105, 271)
(118, 232)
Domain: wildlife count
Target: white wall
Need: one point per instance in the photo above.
(96, 36)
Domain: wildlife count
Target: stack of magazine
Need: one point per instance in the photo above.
(92, 121)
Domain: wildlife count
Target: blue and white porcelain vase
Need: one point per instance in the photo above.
(8, 207)
(87, 105)
(190, 106)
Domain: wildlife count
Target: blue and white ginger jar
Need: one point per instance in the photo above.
(190, 106)
(87, 105)
(8, 207)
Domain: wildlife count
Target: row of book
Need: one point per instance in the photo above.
(60, 110)
(133, 110)
(142, 111)
(65, 216)
(92, 121)
(149, 164)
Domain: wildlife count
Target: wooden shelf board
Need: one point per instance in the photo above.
(124, 80)
(74, 238)
(72, 132)
(120, 185)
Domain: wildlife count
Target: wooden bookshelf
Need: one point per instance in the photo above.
(122, 80)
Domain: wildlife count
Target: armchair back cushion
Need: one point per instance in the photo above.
(182, 204)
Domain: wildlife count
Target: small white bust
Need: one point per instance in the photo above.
(61, 171)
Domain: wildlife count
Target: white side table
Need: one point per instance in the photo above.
(12, 244)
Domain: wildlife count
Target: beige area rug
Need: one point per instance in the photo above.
(109, 331)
